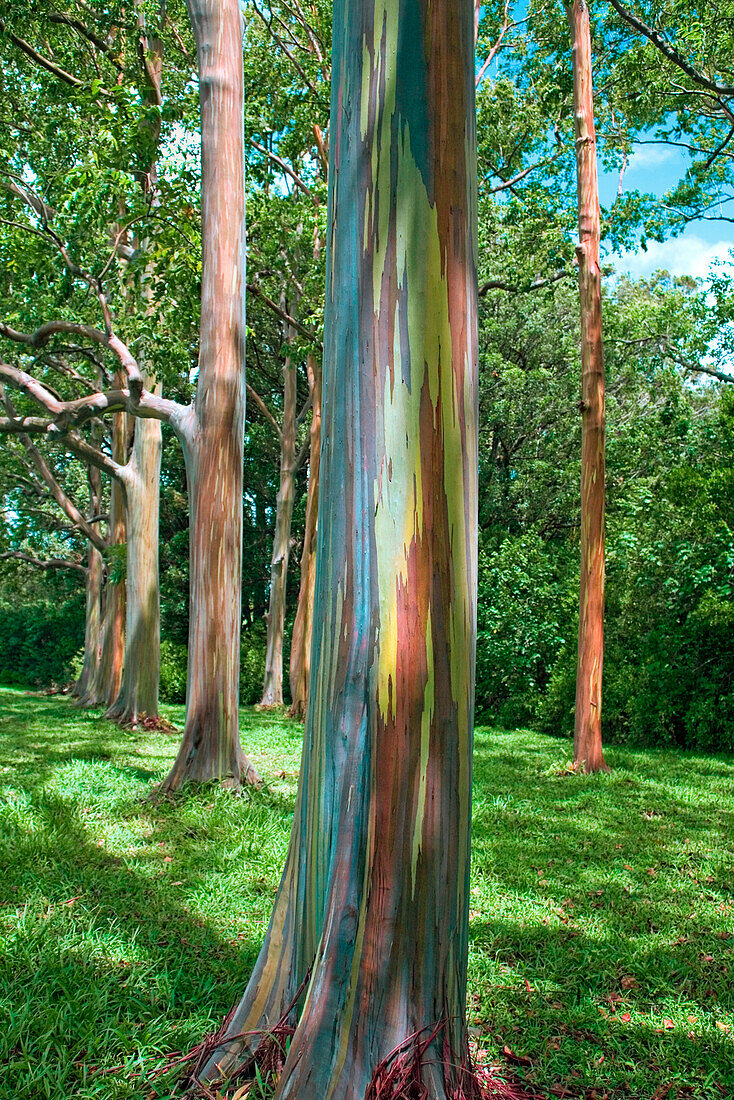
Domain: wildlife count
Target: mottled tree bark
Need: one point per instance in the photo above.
(105, 685)
(273, 681)
(95, 578)
(212, 433)
(138, 695)
(587, 730)
(374, 897)
(92, 623)
(300, 656)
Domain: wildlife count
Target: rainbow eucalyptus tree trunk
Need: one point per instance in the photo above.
(138, 695)
(300, 657)
(273, 682)
(95, 577)
(374, 897)
(587, 747)
(92, 623)
(212, 433)
(106, 683)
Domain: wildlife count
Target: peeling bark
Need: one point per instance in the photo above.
(373, 905)
(93, 617)
(300, 657)
(138, 695)
(105, 685)
(212, 433)
(587, 746)
(273, 682)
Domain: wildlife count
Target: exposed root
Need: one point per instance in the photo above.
(401, 1076)
(130, 719)
(269, 1055)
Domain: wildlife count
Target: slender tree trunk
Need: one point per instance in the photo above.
(138, 695)
(95, 578)
(92, 623)
(213, 437)
(374, 897)
(106, 683)
(300, 660)
(273, 683)
(587, 732)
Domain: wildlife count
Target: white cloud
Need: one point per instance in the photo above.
(651, 156)
(687, 255)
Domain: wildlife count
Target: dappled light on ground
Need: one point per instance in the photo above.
(602, 911)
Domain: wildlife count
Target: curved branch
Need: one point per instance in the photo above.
(43, 334)
(44, 62)
(43, 563)
(511, 288)
(670, 51)
(264, 410)
(308, 333)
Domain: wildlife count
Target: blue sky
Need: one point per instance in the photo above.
(656, 168)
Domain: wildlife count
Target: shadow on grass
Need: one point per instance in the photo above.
(593, 899)
(602, 936)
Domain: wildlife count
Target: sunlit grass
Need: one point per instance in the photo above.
(602, 909)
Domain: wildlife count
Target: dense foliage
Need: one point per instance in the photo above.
(670, 542)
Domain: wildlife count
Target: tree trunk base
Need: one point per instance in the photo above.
(198, 768)
(585, 767)
(128, 717)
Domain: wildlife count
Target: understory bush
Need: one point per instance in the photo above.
(174, 660)
(39, 641)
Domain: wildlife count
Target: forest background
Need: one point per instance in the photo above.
(77, 134)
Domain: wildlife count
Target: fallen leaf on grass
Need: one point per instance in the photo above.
(628, 982)
(519, 1059)
(626, 1017)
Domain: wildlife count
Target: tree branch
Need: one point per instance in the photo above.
(44, 62)
(670, 51)
(44, 563)
(43, 334)
(284, 166)
(510, 288)
(308, 333)
(265, 411)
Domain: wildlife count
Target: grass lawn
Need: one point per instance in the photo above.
(602, 920)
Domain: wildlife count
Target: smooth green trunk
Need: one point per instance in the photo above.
(373, 903)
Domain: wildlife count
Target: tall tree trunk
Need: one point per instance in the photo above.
(92, 623)
(93, 617)
(138, 695)
(106, 683)
(374, 896)
(273, 683)
(213, 436)
(587, 747)
(300, 659)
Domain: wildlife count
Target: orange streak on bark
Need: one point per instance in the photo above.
(300, 660)
(587, 732)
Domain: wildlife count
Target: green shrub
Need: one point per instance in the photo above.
(523, 613)
(252, 665)
(38, 643)
(174, 658)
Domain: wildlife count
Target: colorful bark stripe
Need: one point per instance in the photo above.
(374, 894)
